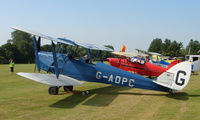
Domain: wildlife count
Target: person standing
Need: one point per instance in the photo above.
(11, 65)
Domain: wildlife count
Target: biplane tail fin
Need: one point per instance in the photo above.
(177, 77)
(123, 48)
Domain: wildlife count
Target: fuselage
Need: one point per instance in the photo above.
(99, 72)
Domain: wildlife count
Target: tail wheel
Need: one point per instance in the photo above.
(53, 90)
(68, 88)
(172, 92)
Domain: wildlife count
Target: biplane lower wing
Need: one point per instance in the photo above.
(50, 79)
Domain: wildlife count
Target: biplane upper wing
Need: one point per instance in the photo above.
(43, 36)
(148, 53)
(65, 41)
(88, 45)
(94, 46)
(129, 54)
(126, 54)
(154, 53)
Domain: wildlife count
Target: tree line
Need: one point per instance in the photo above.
(20, 48)
(174, 48)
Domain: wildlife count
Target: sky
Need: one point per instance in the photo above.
(134, 23)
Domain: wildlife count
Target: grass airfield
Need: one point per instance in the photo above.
(21, 98)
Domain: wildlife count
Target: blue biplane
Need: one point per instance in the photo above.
(64, 71)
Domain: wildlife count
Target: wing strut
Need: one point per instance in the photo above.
(89, 55)
(36, 52)
(55, 59)
(39, 44)
(100, 54)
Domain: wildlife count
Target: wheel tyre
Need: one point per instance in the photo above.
(171, 92)
(70, 88)
(83, 93)
(53, 90)
(87, 92)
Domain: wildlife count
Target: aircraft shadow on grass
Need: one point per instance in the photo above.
(181, 96)
(195, 73)
(101, 97)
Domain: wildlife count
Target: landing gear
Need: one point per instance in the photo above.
(68, 88)
(53, 90)
(85, 92)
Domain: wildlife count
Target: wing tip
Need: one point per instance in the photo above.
(14, 27)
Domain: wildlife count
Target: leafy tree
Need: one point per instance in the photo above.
(2, 56)
(8, 51)
(24, 44)
(3, 60)
(156, 45)
(168, 48)
(183, 52)
(176, 49)
(194, 47)
(46, 48)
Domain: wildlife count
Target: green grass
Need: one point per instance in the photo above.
(21, 98)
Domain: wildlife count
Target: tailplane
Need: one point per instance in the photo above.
(175, 78)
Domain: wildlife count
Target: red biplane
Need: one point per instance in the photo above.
(137, 63)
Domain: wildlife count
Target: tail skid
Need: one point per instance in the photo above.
(176, 78)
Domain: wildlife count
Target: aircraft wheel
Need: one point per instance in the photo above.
(85, 92)
(70, 88)
(53, 90)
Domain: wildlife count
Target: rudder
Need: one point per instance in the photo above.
(177, 77)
